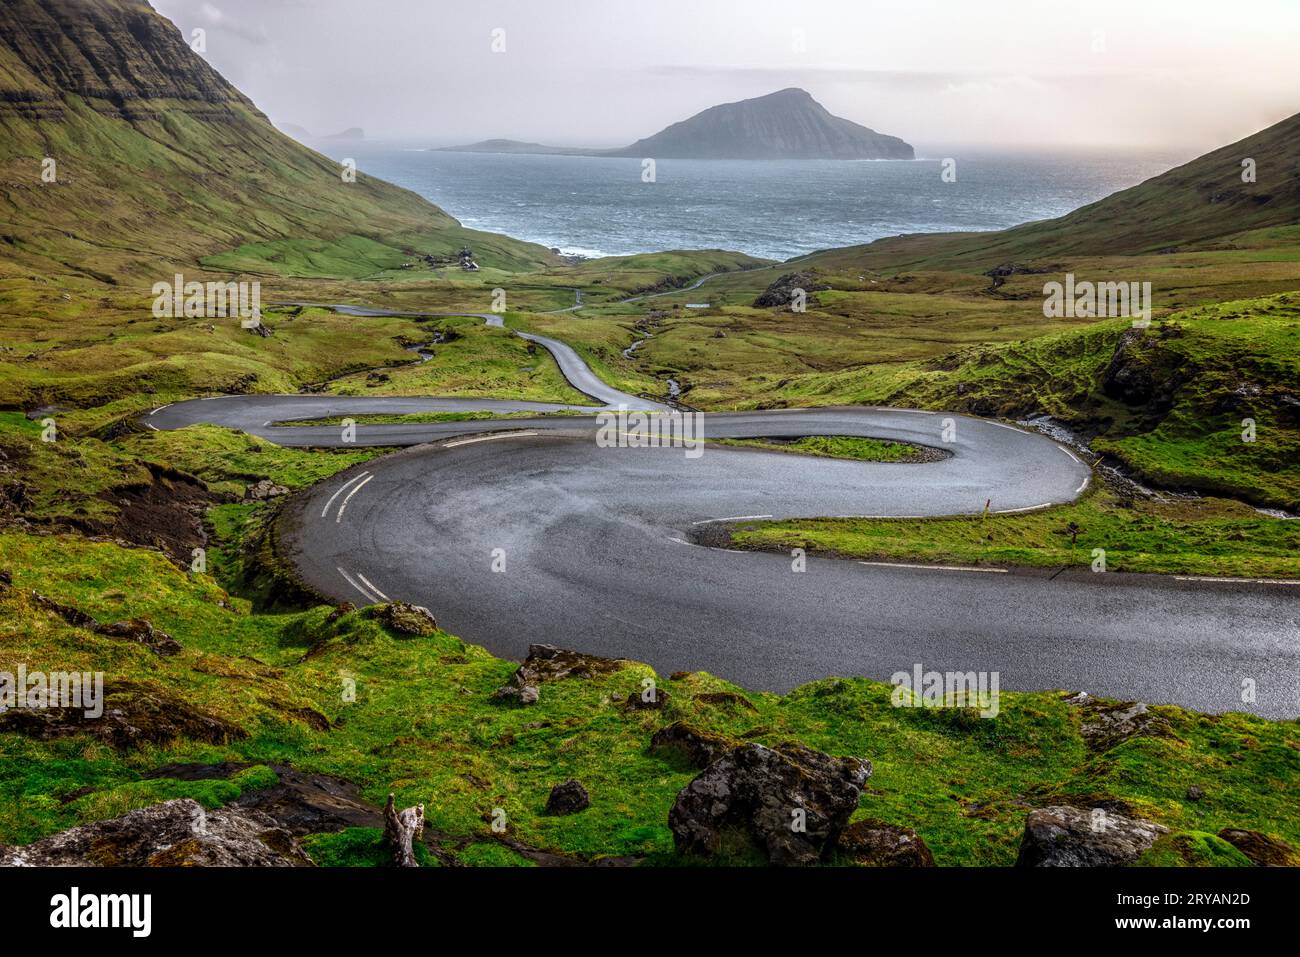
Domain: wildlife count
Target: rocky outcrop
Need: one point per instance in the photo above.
(781, 292)
(1103, 724)
(1142, 373)
(407, 619)
(139, 630)
(548, 663)
(172, 834)
(790, 802)
(1065, 836)
(1263, 850)
(871, 843)
(134, 715)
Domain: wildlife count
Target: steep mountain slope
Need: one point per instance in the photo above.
(1192, 206)
(788, 124)
(159, 158)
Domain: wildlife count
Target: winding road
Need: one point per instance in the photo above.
(524, 530)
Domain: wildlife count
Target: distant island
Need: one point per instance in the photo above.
(788, 124)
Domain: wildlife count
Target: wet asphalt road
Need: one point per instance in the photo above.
(601, 553)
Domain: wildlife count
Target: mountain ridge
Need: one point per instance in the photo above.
(157, 158)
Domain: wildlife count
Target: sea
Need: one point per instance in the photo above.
(773, 209)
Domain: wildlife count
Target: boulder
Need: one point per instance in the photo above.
(407, 619)
(172, 834)
(1063, 836)
(780, 292)
(874, 843)
(568, 798)
(1104, 724)
(548, 663)
(789, 802)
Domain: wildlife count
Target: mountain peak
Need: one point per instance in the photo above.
(786, 124)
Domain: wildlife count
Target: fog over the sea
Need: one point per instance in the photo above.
(1183, 75)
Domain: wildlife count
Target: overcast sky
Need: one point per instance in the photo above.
(1183, 75)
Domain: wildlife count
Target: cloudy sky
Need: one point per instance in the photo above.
(1183, 75)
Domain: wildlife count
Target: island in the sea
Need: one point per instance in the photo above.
(788, 124)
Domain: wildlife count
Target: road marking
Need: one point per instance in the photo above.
(938, 568)
(1237, 581)
(488, 438)
(160, 408)
(1003, 425)
(733, 518)
(353, 582)
(680, 541)
(152, 426)
(1069, 453)
(347, 498)
(325, 510)
(884, 517)
(371, 586)
(1027, 508)
(1083, 485)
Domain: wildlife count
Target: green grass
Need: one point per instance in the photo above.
(358, 847)
(423, 726)
(836, 447)
(1205, 537)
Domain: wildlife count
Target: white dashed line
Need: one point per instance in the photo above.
(1069, 453)
(938, 568)
(488, 438)
(732, 518)
(371, 585)
(325, 510)
(1083, 485)
(160, 408)
(1027, 508)
(347, 498)
(1237, 581)
(353, 582)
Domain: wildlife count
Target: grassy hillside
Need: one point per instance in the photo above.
(423, 725)
(160, 160)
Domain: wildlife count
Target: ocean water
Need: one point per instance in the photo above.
(774, 209)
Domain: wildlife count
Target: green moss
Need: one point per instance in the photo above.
(1193, 849)
(487, 854)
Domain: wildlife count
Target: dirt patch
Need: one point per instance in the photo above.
(165, 513)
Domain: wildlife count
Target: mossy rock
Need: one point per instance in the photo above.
(1193, 849)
